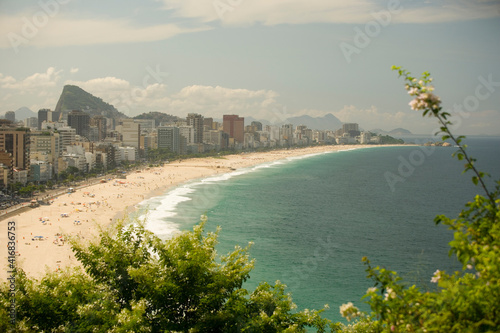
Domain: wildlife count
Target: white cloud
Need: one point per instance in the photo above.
(271, 12)
(108, 85)
(42, 90)
(34, 82)
(373, 118)
(6, 80)
(480, 122)
(328, 11)
(39, 90)
(311, 113)
(42, 29)
(216, 101)
(449, 10)
(62, 30)
(118, 92)
(208, 100)
(74, 70)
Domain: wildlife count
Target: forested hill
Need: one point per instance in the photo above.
(75, 98)
(159, 117)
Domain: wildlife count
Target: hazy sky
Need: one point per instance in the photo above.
(261, 58)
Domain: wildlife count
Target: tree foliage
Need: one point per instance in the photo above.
(389, 140)
(135, 282)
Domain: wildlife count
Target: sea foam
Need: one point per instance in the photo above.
(158, 212)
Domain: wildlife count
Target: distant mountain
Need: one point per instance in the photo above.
(327, 122)
(159, 117)
(394, 132)
(24, 113)
(400, 131)
(75, 98)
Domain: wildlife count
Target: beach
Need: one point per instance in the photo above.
(42, 233)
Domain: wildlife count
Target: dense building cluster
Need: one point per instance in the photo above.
(41, 148)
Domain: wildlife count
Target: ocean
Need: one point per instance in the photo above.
(313, 218)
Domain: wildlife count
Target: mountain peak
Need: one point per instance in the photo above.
(75, 98)
(327, 122)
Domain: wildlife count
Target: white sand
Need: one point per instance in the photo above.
(102, 204)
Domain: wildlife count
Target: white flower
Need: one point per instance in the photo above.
(413, 91)
(389, 294)
(414, 104)
(435, 278)
(424, 101)
(469, 266)
(371, 290)
(349, 311)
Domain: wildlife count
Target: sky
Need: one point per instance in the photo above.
(257, 58)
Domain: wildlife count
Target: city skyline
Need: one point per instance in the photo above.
(256, 59)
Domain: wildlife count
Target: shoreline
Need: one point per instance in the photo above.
(102, 204)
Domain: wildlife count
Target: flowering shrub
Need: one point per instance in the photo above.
(465, 301)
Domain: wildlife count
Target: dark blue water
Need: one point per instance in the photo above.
(313, 219)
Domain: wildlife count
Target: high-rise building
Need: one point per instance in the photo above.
(169, 138)
(67, 137)
(80, 121)
(31, 122)
(131, 133)
(147, 125)
(257, 125)
(196, 121)
(11, 116)
(43, 115)
(101, 123)
(208, 123)
(16, 141)
(287, 133)
(351, 128)
(187, 135)
(47, 145)
(234, 125)
(55, 116)
(150, 142)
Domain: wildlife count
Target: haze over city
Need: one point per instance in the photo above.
(256, 58)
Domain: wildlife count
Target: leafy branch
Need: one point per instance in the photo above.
(427, 101)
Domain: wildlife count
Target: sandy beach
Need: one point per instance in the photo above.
(41, 233)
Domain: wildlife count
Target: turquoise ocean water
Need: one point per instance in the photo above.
(313, 218)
